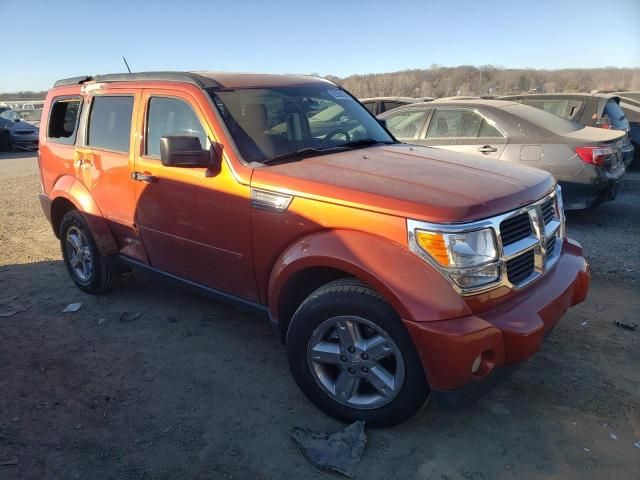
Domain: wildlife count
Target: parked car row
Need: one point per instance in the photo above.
(587, 162)
(556, 133)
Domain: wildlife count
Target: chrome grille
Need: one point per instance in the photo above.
(521, 267)
(515, 228)
(530, 251)
(548, 211)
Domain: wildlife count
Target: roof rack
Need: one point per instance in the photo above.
(72, 81)
(187, 77)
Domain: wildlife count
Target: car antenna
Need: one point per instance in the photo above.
(125, 62)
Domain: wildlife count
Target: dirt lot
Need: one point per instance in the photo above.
(195, 389)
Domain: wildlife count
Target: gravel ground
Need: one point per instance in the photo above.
(196, 389)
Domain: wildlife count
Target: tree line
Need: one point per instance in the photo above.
(439, 81)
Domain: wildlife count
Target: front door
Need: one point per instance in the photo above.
(194, 223)
(463, 130)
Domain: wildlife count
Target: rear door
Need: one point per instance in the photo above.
(465, 130)
(104, 161)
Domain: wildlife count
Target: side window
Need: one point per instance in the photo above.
(455, 123)
(63, 120)
(406, 124)
(489, 131)
(171, 116)
(371, 106)
(110, 123)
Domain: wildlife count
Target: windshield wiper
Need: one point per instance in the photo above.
(302, 152)
(364, 142)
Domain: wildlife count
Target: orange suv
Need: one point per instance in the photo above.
(392, 272)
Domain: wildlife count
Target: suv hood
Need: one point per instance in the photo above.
(422, 183)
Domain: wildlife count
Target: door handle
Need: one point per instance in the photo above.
(143, 177)
(487, 149)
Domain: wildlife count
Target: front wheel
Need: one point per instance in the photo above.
(352, 357)
(89, 270)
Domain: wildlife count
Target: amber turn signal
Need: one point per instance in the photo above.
(434, 244)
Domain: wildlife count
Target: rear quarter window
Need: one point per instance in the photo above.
(63, 120)
(110, 123)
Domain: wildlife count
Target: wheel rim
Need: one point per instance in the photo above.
(79, 254)
(355, 362)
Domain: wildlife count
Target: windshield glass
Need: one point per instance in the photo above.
(277, 121)
(10, 115)
(543, 119)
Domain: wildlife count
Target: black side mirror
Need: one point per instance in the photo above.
(383, 123)
(17, 119)
(184, 151)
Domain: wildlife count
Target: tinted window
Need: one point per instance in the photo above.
(456, 123)
(543, 119)
(615, 115)
(63, 120)
(110, 123)
(171, 116)
(405, 125)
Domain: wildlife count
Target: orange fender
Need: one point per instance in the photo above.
(413, 288)
(73, 190)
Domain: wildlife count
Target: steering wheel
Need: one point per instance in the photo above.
(333, 133)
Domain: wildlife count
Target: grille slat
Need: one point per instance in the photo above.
(548, 211)
(550, 246)
(520, 268)
(515, 228)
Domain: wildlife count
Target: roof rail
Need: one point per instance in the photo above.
(187, 77)
(73, 80)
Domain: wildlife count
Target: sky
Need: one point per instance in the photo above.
(52, 39)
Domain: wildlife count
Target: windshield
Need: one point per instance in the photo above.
(543, 119)
(10, 115)
(278, 121)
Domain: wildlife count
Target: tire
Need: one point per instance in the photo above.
(5, 142)
(322, 361)
(90, 271)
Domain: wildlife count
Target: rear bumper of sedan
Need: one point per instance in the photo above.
(502, 337)
(592, 186)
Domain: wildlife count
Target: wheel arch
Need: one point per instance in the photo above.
(413, 288)
(67, 194)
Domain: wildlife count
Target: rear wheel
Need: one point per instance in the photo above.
(5, 141)
(90, 271)
(352, 357)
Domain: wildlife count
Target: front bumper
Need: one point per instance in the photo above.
(503, 335)
(25, 142)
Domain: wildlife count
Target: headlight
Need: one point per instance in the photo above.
(470, 259)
